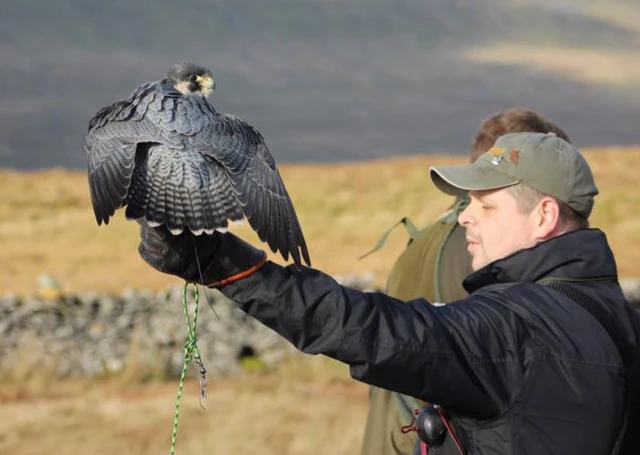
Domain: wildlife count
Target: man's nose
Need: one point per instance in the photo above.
(465, 218)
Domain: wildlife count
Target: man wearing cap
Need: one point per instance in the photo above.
(433, 266)
(520, 366)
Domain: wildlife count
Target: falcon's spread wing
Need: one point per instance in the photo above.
(257, 183)
(173, 159)
(111, 144)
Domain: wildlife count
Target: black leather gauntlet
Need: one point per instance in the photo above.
(222, 258)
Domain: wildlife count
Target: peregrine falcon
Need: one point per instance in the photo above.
(168, 156)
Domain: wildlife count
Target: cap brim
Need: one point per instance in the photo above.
(458, 180)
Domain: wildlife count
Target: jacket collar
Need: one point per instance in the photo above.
(575, 255)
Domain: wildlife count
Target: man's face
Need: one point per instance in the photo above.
(495, 226)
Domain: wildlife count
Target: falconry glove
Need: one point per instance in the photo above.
(222, 258)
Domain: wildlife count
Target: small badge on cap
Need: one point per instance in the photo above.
(496, 155)
(514, 155)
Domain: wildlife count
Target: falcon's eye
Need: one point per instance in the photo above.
(193, 78)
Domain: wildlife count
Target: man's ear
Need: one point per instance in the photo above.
(546, 218)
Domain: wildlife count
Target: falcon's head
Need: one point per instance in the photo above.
(189, 78)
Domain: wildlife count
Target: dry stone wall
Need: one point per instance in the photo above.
(140, 333)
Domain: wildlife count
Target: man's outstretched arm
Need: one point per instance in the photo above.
(451, 355)
(440, 354)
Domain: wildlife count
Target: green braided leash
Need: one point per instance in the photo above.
(191, 352)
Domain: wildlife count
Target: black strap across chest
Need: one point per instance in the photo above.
(625, 443)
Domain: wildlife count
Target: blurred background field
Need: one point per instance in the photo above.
(306, 405)
(324, 80)
(47, 225)
(356, 100)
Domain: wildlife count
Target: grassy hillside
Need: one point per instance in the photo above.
(289, 412)
(324, 81)
(309, 403)
(47, 225)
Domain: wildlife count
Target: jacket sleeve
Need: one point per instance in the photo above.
(460, 355)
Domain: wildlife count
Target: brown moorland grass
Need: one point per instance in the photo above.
(47, 225)
(309, 404)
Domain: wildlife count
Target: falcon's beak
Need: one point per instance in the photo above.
(207, 84)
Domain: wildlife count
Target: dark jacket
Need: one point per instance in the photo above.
(520, 367)
(432, 266)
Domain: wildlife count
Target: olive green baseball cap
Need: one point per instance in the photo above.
(544, 162)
